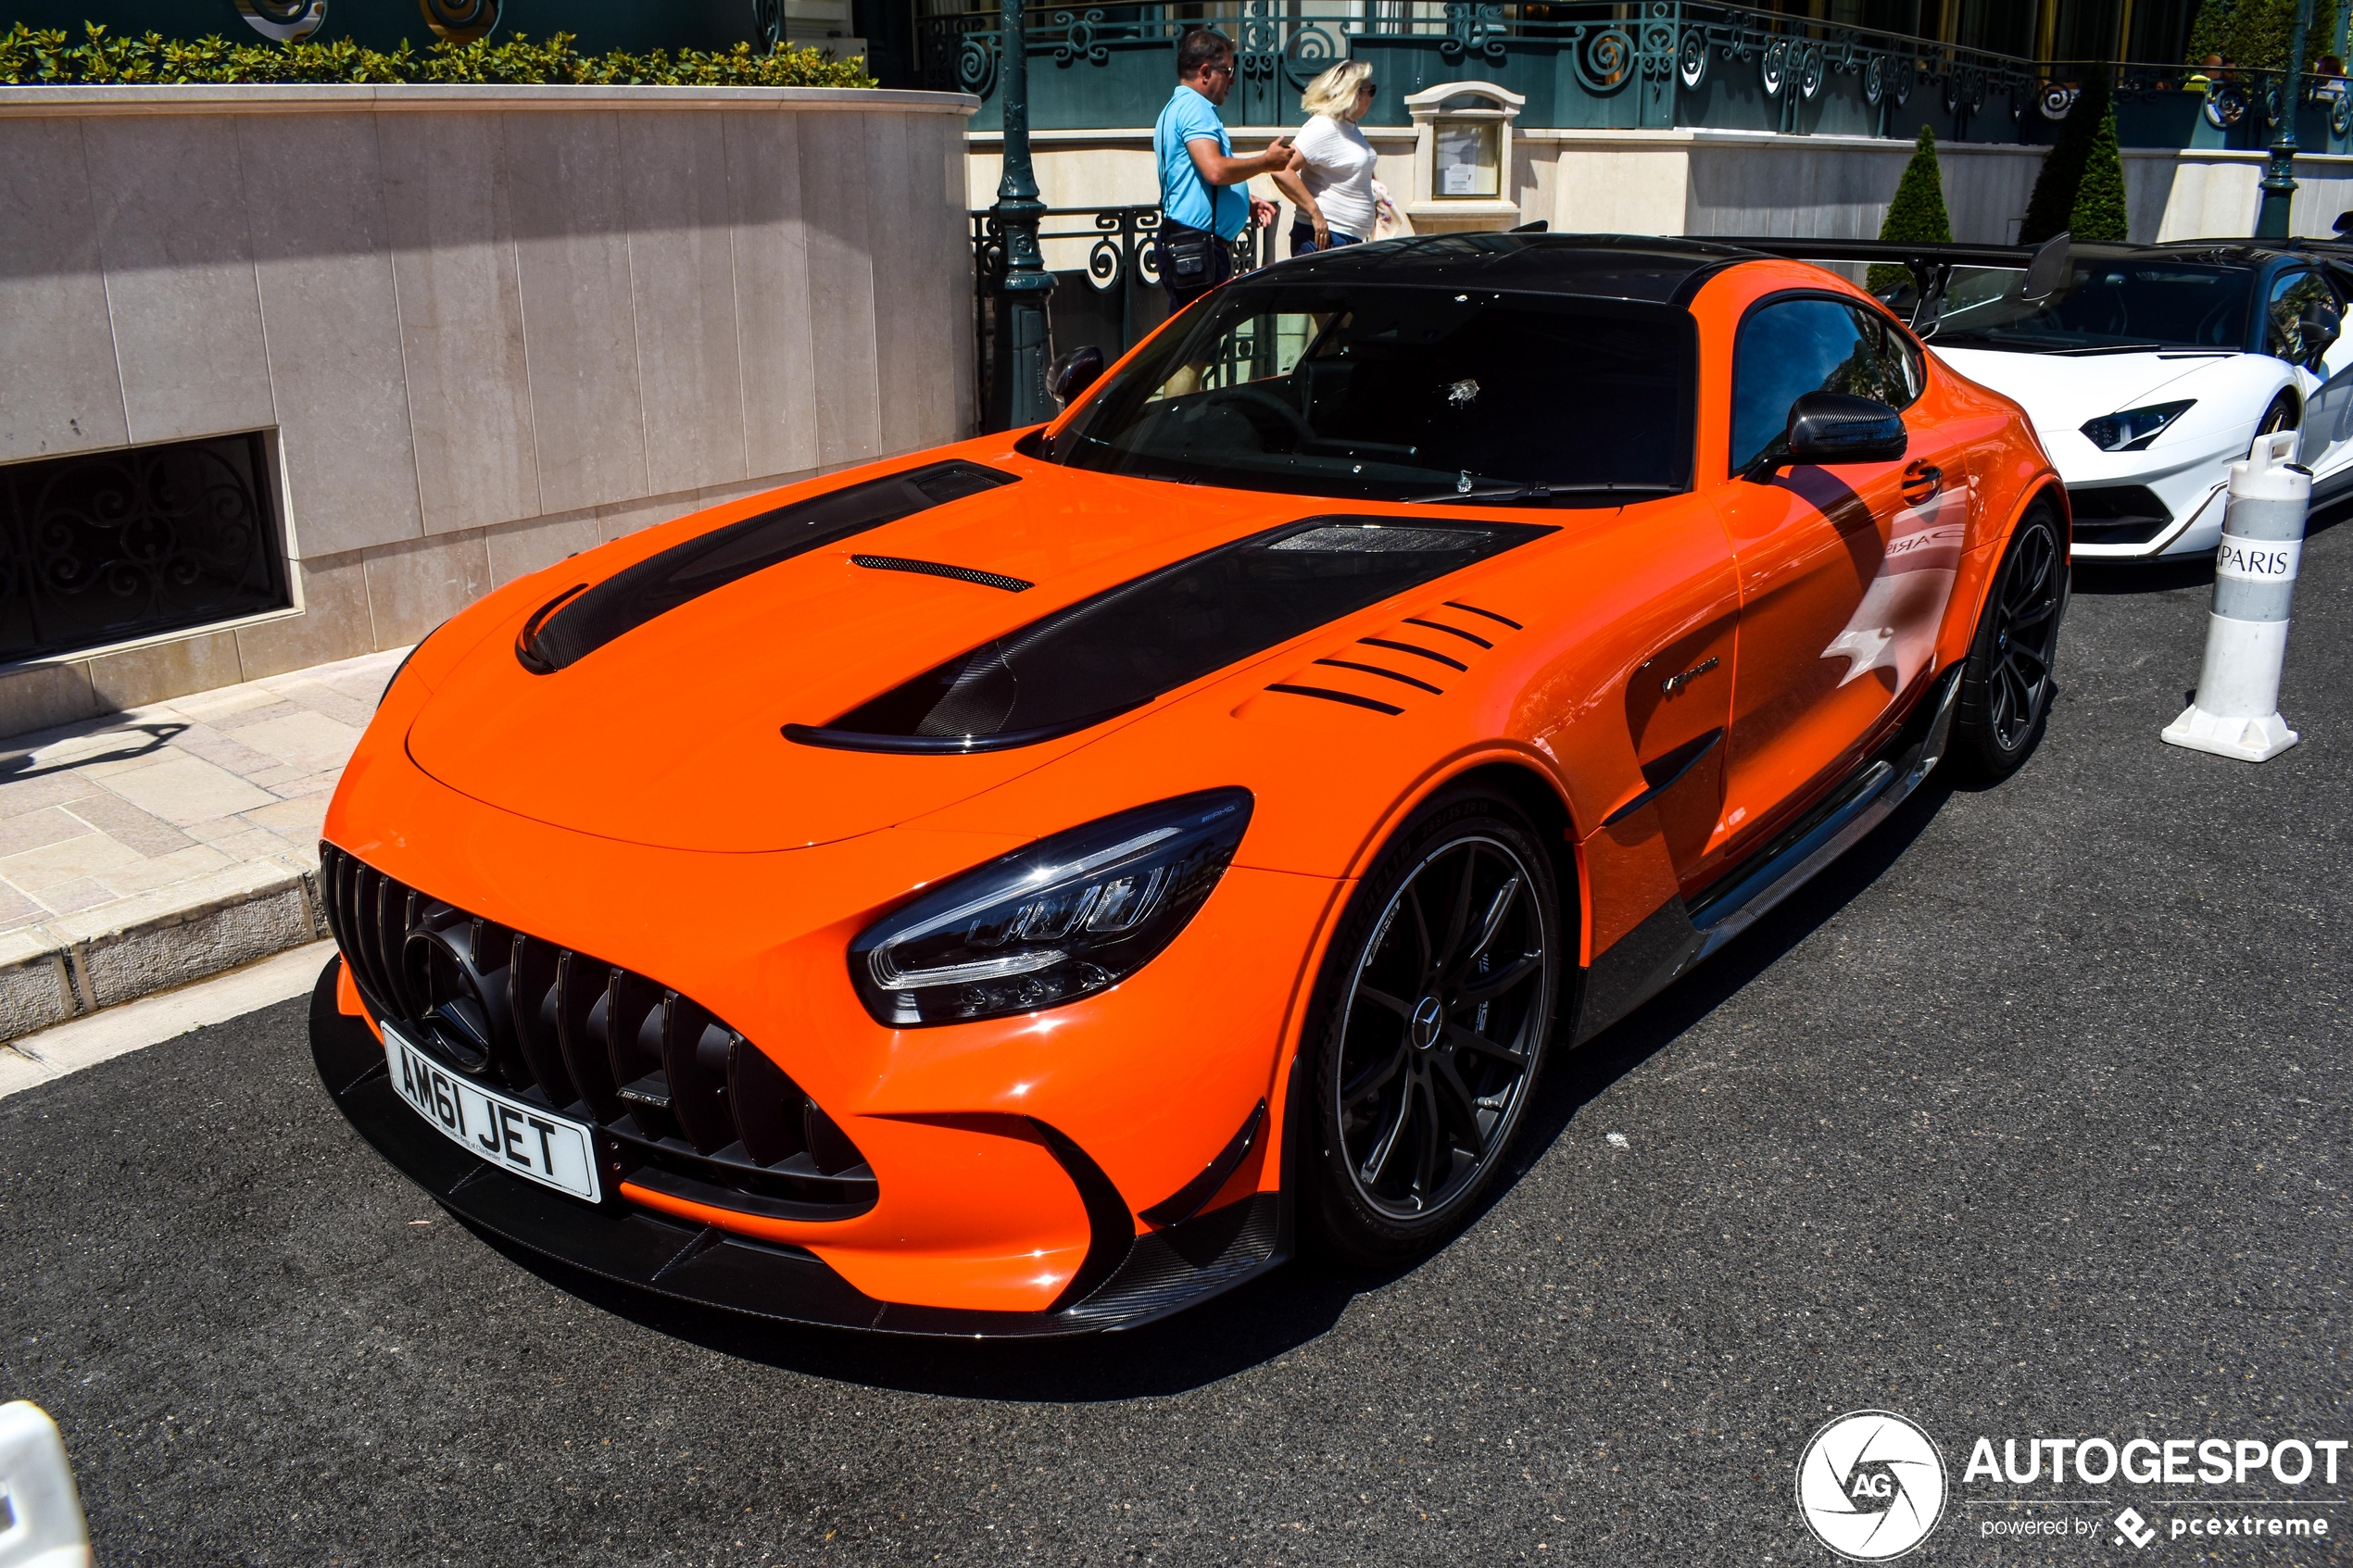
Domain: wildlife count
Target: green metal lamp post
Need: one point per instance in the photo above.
(1017, 394)
(2278, 170)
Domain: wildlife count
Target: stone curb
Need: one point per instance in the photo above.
(74, 965)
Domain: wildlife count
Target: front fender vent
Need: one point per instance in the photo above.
(685, 1105)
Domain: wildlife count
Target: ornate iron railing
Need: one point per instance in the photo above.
(1112, 298)
(106, 546)
(1654, 64)
(2173, 105)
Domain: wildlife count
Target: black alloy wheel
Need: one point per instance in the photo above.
(1434, 1010)
(2005, 690)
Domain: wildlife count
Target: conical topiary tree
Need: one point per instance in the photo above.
(1917, 215)
(2099, 212)
(2053, 203)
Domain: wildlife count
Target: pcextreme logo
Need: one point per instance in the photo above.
(1870, 1485)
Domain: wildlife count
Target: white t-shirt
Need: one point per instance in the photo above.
(1339, 173)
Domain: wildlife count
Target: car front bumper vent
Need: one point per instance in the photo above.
(685, 1105)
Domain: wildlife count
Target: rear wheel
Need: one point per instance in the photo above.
(2005, 688)
(1431, 1016)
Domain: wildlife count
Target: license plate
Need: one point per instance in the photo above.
(520, 1139)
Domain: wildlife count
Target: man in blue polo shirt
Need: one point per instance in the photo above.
(1201, 203)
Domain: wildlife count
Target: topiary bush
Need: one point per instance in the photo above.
(48, 57)
(2098, 214)
(1917, 215)
(2053, 201)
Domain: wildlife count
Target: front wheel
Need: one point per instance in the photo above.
(1431, 1020)
(2005, 688)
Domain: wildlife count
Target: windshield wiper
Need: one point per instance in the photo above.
(2108, 349)
(1509, 492)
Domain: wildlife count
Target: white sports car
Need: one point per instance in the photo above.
(2147, 369)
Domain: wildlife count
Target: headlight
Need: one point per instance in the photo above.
(1063, 919)
(2134, 428)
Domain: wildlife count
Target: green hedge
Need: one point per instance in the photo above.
(50, 58)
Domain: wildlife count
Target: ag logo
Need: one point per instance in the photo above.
(1870, 1485)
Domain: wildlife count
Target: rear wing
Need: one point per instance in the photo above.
(2046, 265)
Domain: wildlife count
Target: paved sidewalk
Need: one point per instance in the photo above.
(155, 847)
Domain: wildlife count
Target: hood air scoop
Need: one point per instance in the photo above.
(1124, 647)
(578, 621)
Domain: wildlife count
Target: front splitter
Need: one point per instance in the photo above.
(1163, 1272)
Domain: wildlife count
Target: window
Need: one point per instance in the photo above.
(1392, 393)
(105, 546)
(2294, 296)
(1795, 346)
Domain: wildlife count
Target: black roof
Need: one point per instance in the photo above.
(1639, 267)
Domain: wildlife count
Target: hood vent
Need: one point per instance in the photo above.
(1122, 647)
(1371, 656)
(938, 569)
(578, 622)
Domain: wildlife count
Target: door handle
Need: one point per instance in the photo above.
(1923, 474)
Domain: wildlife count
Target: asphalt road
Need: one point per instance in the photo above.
(2030, 1119)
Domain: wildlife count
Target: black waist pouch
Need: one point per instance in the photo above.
(1184, 254)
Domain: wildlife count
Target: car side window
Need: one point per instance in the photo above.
(1795, 346)
(2293, 294)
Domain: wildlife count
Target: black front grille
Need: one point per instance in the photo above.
(2118, 514)
(690, 1108)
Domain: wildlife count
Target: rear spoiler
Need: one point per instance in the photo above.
(2046, 265)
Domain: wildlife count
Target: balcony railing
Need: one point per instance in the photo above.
(1652, 65)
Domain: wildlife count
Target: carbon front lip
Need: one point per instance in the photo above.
(1162, 1272)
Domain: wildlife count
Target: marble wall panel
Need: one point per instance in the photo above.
(167, 192)
(772, 291)
(461, 333)
(332, 320)
(681, 272)
(841, 227)
(334, 622)
(61, 392)
(414, 587)
(908, 356)
(572, 253)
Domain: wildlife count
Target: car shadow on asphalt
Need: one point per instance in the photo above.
(1277, 1314)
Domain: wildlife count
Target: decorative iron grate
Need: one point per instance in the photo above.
(106, 546)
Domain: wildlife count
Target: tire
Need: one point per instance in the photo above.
(2283, 414)
(1427, 1037)
(2007, 684)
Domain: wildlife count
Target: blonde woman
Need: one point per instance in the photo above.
(1332, 184)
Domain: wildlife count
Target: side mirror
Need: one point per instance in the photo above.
(1074, 373)
(1832, 427)
(2320, 329)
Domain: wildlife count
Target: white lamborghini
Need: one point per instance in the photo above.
(2147, 369)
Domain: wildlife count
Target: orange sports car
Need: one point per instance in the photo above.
(1030, 886)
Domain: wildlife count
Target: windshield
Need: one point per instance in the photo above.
(1403, 393)
(2105, 307)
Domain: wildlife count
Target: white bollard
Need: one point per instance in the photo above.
(2237, 710)
(41, 1524)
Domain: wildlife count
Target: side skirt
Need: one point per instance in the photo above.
(1677, 936)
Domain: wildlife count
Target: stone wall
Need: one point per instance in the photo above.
(483, 327)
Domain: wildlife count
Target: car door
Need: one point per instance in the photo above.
(1843, 572)
(2326, 381)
